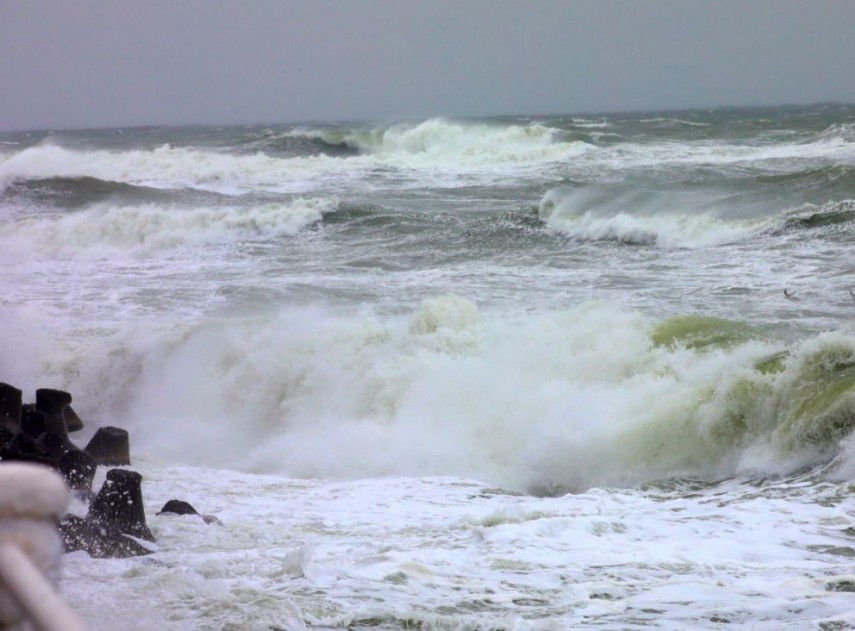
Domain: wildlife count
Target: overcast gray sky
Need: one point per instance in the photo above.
(102, 63)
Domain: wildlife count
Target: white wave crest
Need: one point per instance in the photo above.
(105, 229)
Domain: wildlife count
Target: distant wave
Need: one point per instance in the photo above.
(75, 192)
(433, 137)
(303, 142)
(427, 143)
(666, 121)
(587, 123)
(439, 146)
(466, 143)
(781, 157)
(106, 229)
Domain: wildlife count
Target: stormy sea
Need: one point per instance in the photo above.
(588, 372)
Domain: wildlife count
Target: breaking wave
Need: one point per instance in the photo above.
(636, 217)
(580, 215)
(592, 396)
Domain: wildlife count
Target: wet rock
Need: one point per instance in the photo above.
(98, 540)
(178, 507)
(119, 504)
(22, 448)
(10, 407)
(54, 447)
(110, 446)
(72, 421)
(52, 403)
(5, 436)
(32, 421)
(78, 469)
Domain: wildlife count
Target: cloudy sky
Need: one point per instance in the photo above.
(100, 63)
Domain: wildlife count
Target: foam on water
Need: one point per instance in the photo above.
(450, 553)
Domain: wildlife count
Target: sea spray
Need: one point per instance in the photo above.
(25, 343)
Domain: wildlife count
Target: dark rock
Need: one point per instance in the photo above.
(119, 504)
(178, 507)
(5, 436)
(54, 446)
(49, 400)
(78, 469)
(72, 421)
(10, 407)
(99, 540)
(52, 403)
(23, 448)
(32, 421)
(110, 446)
